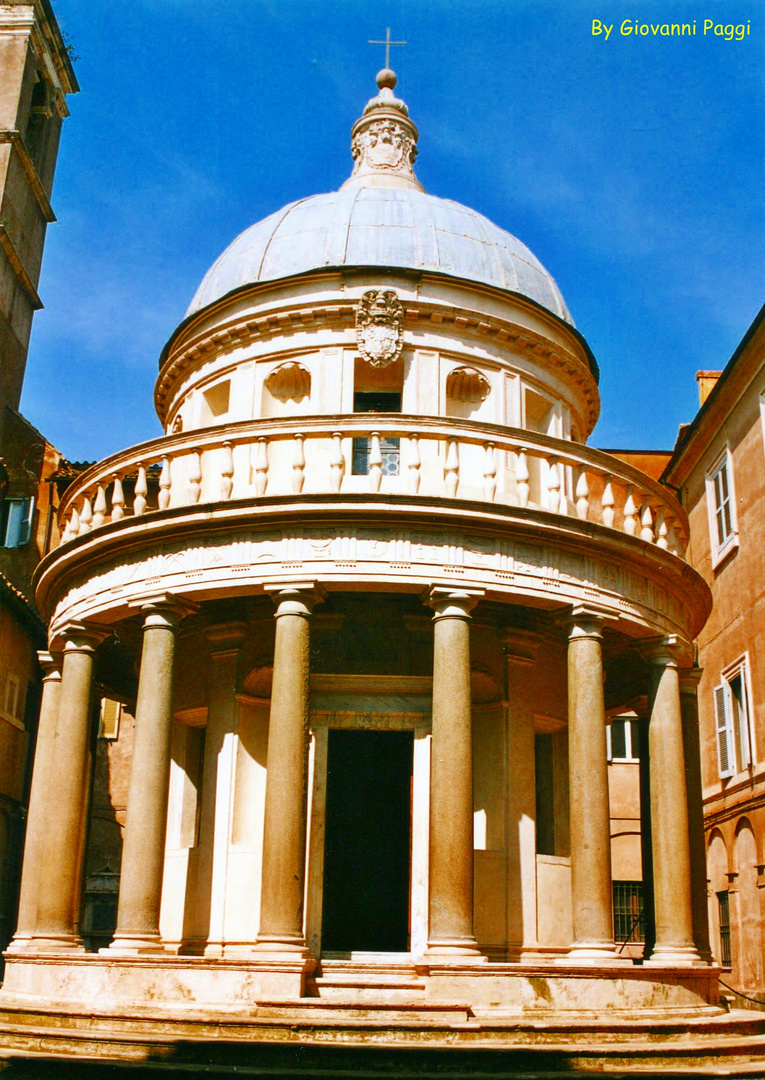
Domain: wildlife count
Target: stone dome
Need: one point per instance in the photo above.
(380, 227)
(381, 217)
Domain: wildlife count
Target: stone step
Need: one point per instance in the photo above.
(354, 1009)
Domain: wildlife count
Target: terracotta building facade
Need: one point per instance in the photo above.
(718, 467)
(381, 597)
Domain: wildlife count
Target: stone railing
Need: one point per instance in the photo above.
(386, 453)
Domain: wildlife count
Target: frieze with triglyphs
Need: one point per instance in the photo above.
(374, 554)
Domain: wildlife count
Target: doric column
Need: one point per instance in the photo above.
(39, 797)
(689, 684)
(450, 931)
(143, 851)
(590, 815)
(284, 829)
(669, 809)
(56, 923)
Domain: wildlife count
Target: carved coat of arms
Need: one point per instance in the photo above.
(380, 327)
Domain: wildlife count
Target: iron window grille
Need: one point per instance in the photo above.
(629, 912)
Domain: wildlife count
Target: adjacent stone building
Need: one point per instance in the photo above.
(371, 619)
(35, 77)
(719, 469)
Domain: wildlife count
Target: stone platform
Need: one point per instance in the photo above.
(193, 1011)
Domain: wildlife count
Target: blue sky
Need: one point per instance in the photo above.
(633, 169)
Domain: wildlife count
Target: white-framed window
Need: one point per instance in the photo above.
(733, 719)
(17, 522)
(622, 740)
(721, 501)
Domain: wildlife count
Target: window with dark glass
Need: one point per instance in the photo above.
(390, 450)
(723, 908)
(629, 915)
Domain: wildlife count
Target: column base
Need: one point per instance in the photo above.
(134, 945)
(275, 946)
(594, 954)
(675, 956)
(20, 943)
(55, 943)
(454, 951)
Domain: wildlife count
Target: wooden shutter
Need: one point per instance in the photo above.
(725, 751)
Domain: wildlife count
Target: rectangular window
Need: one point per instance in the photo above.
(723, 908)
(17, 522)
(733, 720)
(629, 916)
(390, 451)
(622, 740)
(722, 507)
(12, 696)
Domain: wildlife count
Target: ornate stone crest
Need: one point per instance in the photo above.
(385, 144)
(380, 327)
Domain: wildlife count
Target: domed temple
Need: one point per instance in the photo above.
(372, 601)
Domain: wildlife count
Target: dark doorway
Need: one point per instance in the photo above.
(367, 841)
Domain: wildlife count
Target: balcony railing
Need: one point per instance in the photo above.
(435, 458)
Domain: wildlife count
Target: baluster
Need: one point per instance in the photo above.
(74, 523)
(565, 504)
(99, 507)
(661, 529)
(553, 485)
(86, 516)
(414, 464)
(452, 467)
(336, 463)
(375, 462)
(165, 484)
(261, 465)
(630, 512)
(141, 488)
(489, 473)
(67, 533)
(646, 522)
(607, 502)
(522, 477)
(298, 465)
(195, 477)
(582, 494)
(227, 473)
(674, 539)
(118, 499)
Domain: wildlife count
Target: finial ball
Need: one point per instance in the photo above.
(387, 78)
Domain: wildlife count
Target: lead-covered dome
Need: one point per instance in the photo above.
(380, 226)
(381, 217)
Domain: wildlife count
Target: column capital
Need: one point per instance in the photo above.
(164, 610)
(296, 597)
(585, 621)
(451, 603)
(690, 677)
(668, 651)
(79, 637)
(50, 662)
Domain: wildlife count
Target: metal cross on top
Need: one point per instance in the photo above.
(387, 43)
